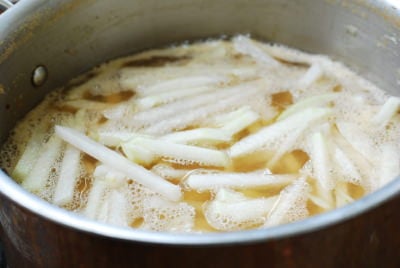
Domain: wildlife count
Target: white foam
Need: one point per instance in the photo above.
(162, 215)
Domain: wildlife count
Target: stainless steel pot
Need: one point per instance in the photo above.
(43, 44)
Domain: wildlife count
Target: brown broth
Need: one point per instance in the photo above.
(291, 162)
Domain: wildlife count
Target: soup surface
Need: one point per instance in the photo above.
(220, 135)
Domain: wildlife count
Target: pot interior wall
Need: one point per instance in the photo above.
(70, 37)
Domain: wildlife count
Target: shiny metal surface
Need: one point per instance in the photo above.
(363, 34)
(5, 4)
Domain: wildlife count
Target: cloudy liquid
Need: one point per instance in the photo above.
(113, 98)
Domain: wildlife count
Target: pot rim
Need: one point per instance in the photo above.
(10, 189)
(14, 192)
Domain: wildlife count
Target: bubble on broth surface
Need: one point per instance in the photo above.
(334, 134)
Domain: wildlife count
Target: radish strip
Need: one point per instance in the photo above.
(239, 120)
(232, 211)
(29, 156)
(290, 55)
(325, 195)
(119, 163)
(320, 160)
(358, 139)
(388, 110)
(104, 205)
(138, 153)
(347, 170)
(286, 146)
(198, 135)
(231, 124)
(168, 172)
(341, 195)
(116, 138)
(390, 164)
(180, 152)
(291, 205)
(114, 209)
(313, 101)
(278, 131)
(180, 121)
(202, 182)
(87, 104)
(362, 164)
(95, 198)
(169, 96)
(166, 111)
(69, 172)
(119, 111)
(37, 178)
(321, 201)
(111, 177)
(311, 76)
(245, 45)
(182, 83)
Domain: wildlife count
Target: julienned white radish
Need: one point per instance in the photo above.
(345, 166)
(95, 198)
(291, 205)
(111, 177)
(292, 56)
(280, 130)
(358, 139)
(105, 201)
(119, 111)
(314, 101)
(390, 164)
(69, 173)
(245, 45)
(342, 196)
(181, 83)
(168, 172)
(87, 104)
(150, 101)
(232, 211)
(325, 196)
(202, 182)
(179, 152)
(388, 110)
(114, 209)
(180, 121)
(239, 120)
(138, 153)
(363, 165)
(28, 156)
(286, 146)
(115, 138)
(321, 201)
(229, 125)
(320, 159)
(119, 163)
(163, 112)
(198, 135)
(40, 172)
(311, 76)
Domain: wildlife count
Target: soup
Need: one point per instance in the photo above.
(220, 135)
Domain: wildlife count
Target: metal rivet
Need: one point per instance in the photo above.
(39, 76)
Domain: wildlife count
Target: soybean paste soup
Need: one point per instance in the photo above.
(220, 135)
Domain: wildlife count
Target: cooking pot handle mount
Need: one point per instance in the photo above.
(5, 4)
